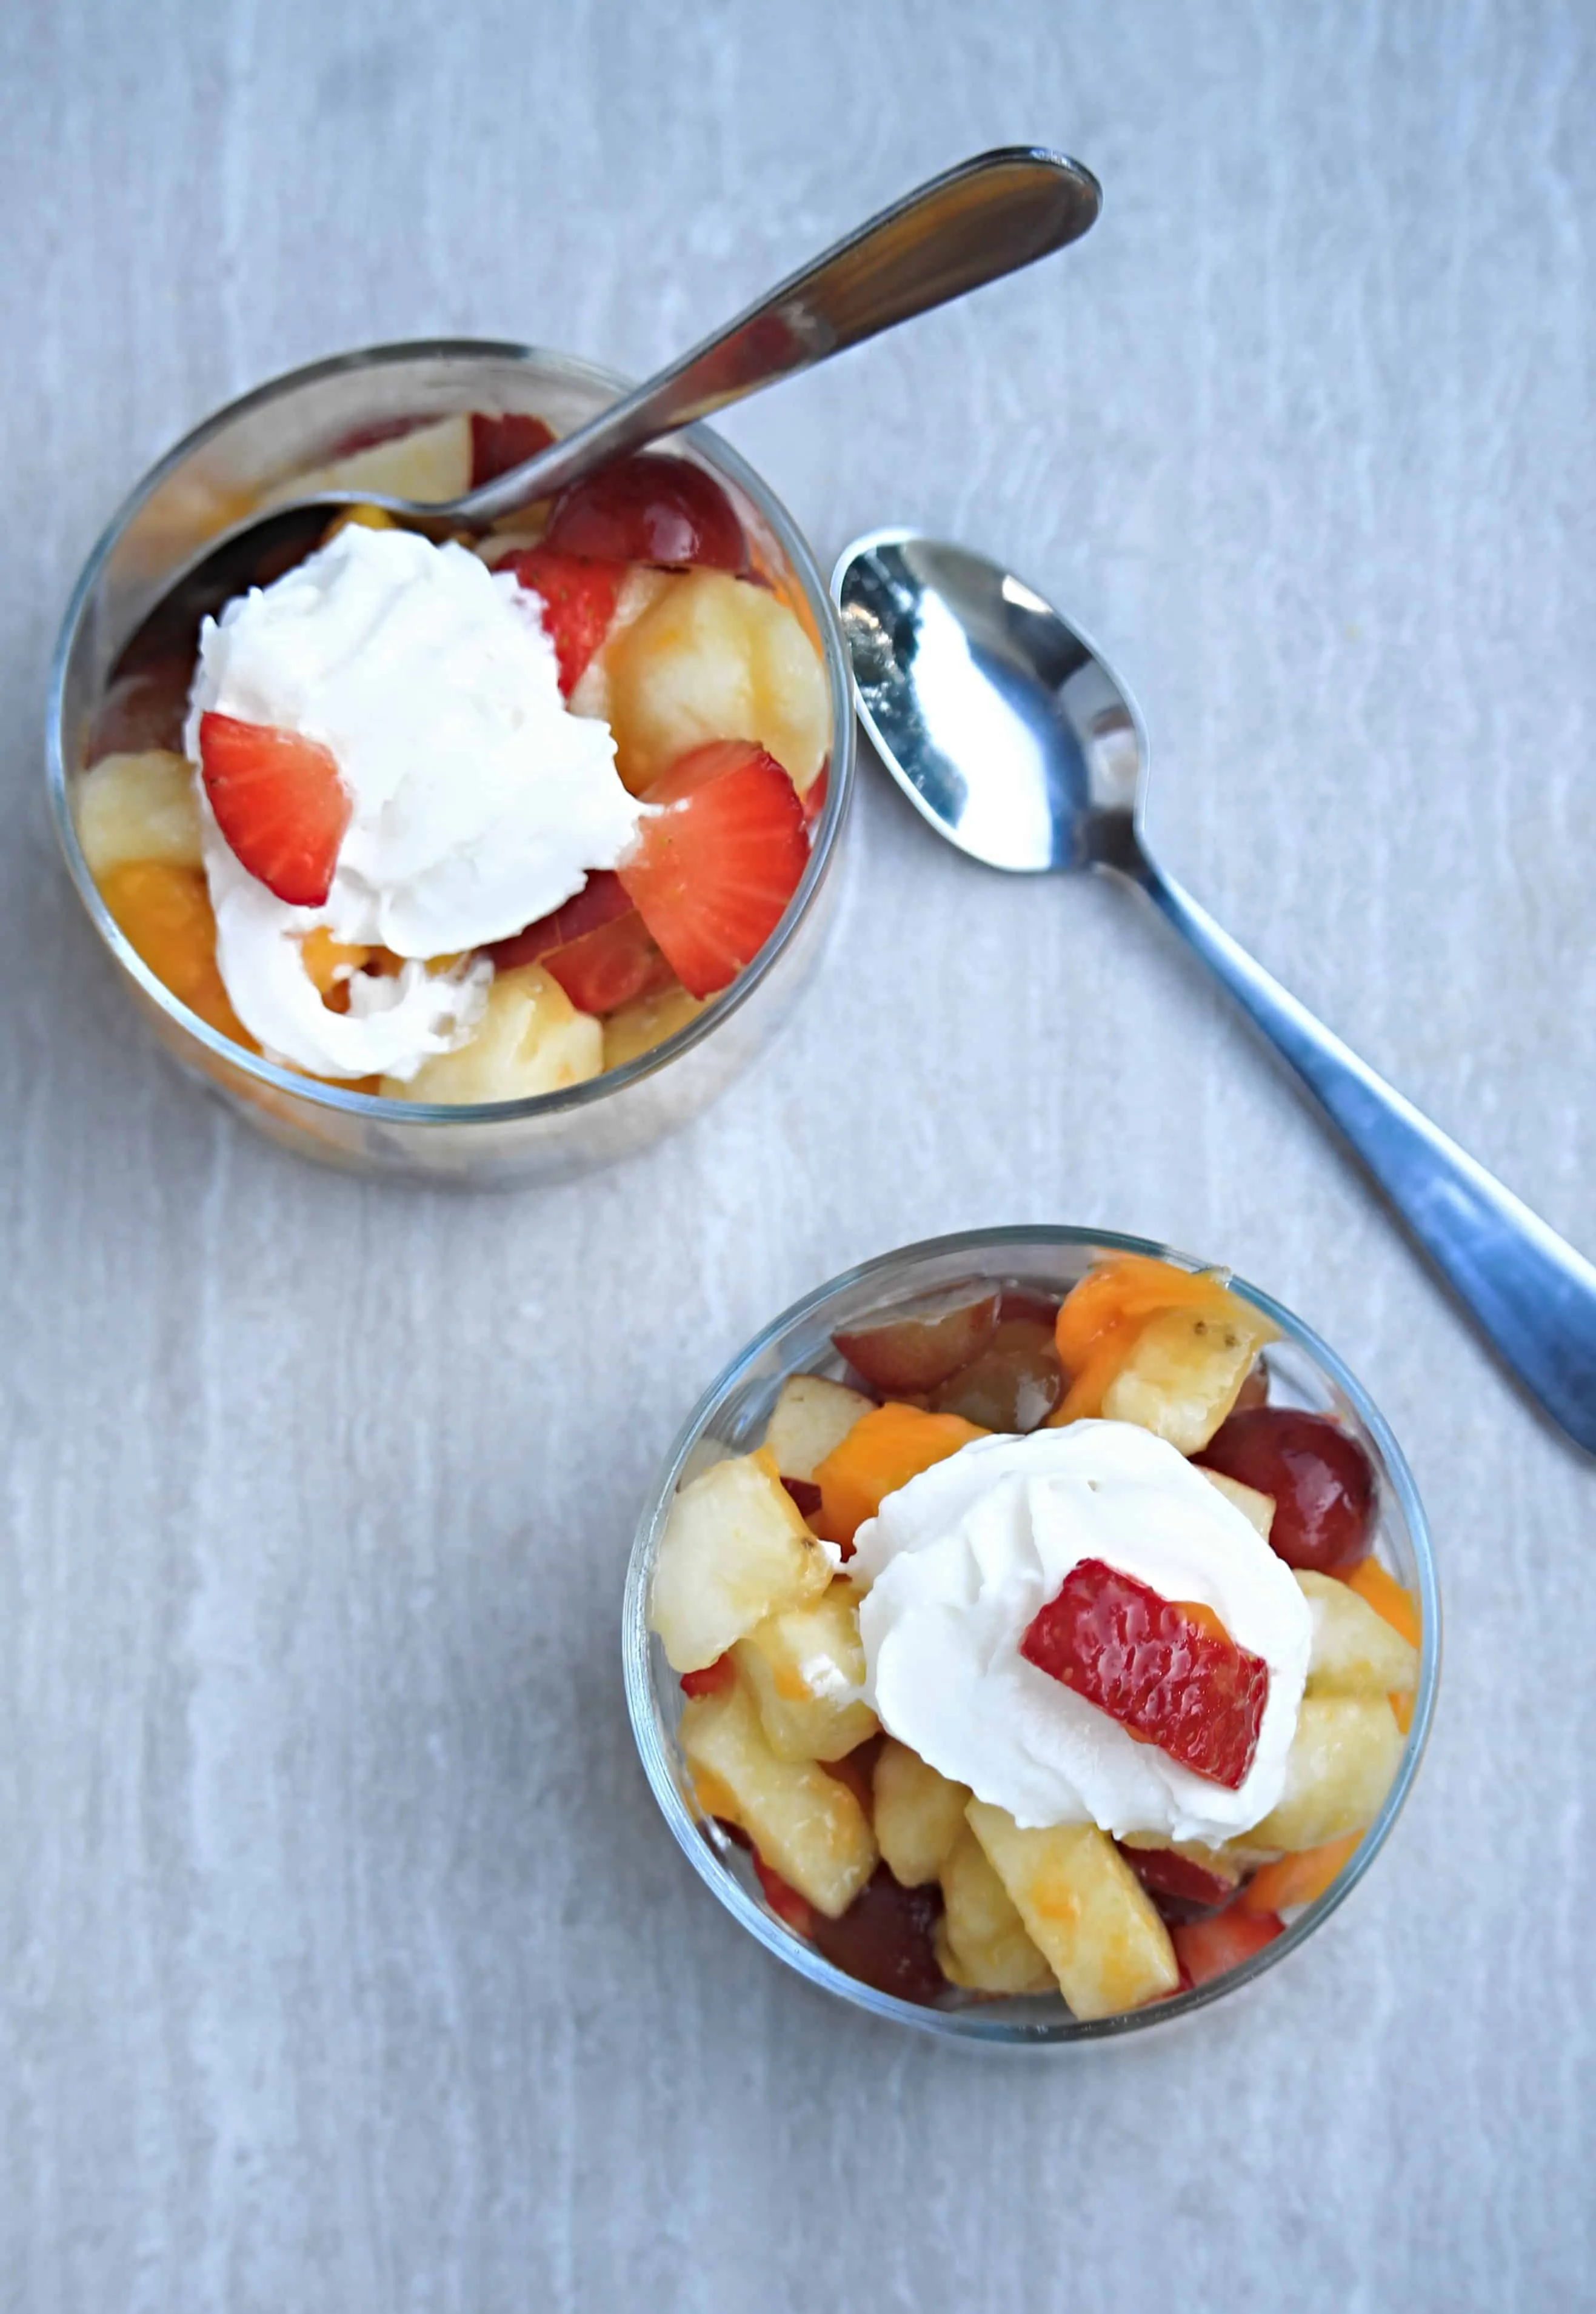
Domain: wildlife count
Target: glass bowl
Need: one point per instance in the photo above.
(730, 1420)
(208, 483)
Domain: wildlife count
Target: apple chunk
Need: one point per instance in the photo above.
(806, 1826)
(1353, 1651)
(1258, 1509)
(984, 1945)
(1340, 1767)
(805, 1667)
(735, 1550)
(139, 807)
(916, 1349)
(811, 1415)
(1083, 1908)
(920, 1814)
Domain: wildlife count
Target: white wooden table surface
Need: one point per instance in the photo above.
(344, 1962)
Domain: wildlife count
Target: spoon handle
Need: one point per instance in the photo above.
(970, 225)
(1532, 1295)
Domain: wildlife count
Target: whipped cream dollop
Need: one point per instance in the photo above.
(479, 803)
(960, 1560)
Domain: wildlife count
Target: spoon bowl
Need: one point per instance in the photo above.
(1012, 736)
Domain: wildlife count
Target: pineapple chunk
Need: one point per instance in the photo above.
(430, 463)
(132, 808)
(811, 1417)
(735, 1550)
(715, 658)
(806, 1824)
(647, 1021)
(983, 1943)
(1339, 1769)
(1258, 1509)
(530, 1039)
(805, 1668)
(1084, 1908)
(1355, 1651)
(1186, 1371)
(919, 1815)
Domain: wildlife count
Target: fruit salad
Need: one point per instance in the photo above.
(1040, 1649)
(476, 821)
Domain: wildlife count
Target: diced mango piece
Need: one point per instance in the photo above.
(1297, 1880)
(984, 1945)
(919, 1814)
(1083, 1908)
(1355, 1651)
(881, 1452)
(735, 1550)
(805, 1668)
(1344, 1757)
(164, 913)
(806, 1826)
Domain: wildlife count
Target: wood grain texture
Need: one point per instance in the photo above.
(344, 1963)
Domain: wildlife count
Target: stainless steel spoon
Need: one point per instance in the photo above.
(1009, 733)
(989, 216)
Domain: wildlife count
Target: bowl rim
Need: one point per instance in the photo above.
(377, 1107)
(981, 2024)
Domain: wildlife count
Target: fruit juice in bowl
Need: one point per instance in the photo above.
(1032, 1636)
(480, 863)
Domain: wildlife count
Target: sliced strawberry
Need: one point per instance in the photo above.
(1209, 1948)
(609, 968)
(712, 1679)
(651, 508)
(279, 802)
(1166, 1669)
(814, 796)
(578, 599)
(713, 872)
(602, 898)
(497, 444)
(805, 1492)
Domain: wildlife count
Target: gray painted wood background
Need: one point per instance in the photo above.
(344, 1963)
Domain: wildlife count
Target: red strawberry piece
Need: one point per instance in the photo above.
(886, 1938)
(649, 508)
(578, 599)
(805, 1492)
(714, 870)
(712, 1679)
(602, 898)
(814, 796)
(608, 967)
(279, 802)
(497, 444)
(1166, 1669)
(785, 1902)
(1220, 1941)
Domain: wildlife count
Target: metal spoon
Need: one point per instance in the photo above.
(989, 216)
(1008, 732)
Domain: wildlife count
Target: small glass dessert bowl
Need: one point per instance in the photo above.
(481, 862)
(1032, 1636)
